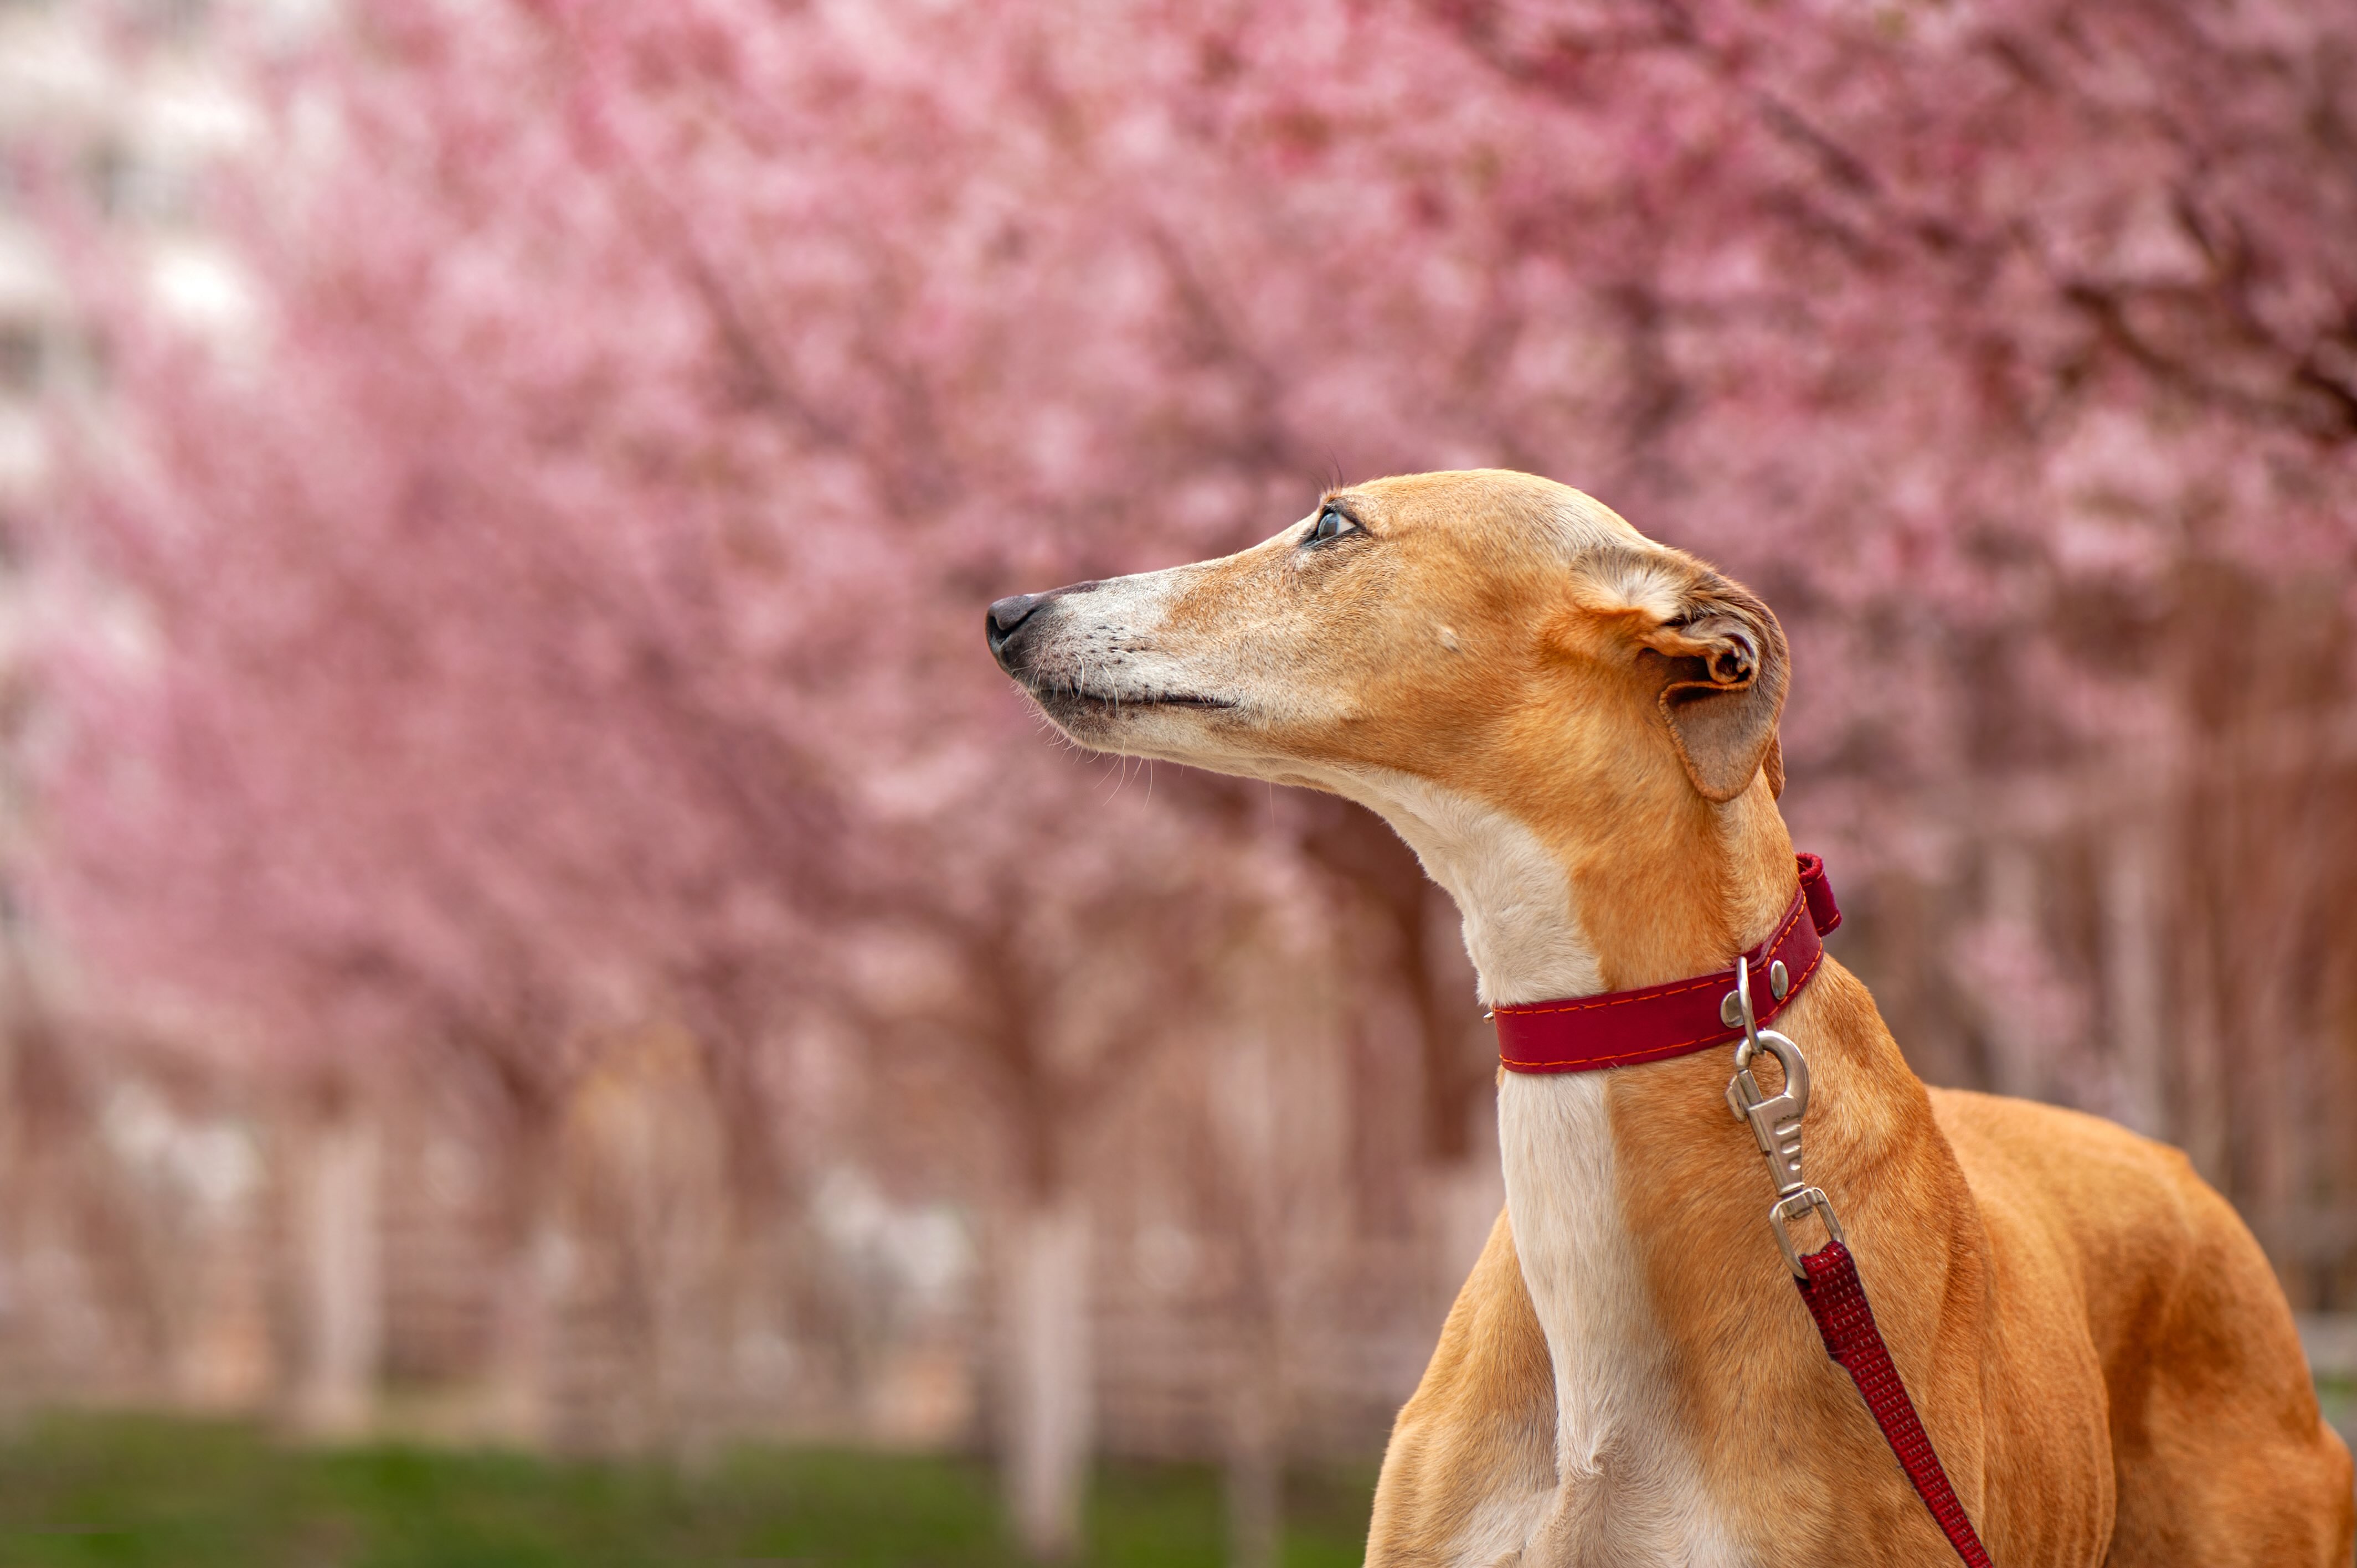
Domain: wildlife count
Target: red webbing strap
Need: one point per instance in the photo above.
(1837, 1301)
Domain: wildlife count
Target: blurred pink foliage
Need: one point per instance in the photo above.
(568, 606)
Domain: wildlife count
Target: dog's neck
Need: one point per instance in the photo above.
(1546, 917)
(1522, 928)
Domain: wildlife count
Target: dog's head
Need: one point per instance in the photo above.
(1502, 637)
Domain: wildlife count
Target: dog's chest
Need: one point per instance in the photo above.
(1629, 1488)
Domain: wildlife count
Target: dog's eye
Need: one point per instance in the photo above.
(1331, 524)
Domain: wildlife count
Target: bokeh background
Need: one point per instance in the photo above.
(556, 1008)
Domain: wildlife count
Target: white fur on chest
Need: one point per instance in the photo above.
(1628, 1488)
(1617, 1426)
(1617, 1430)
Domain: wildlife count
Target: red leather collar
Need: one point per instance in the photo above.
(1622, 1028)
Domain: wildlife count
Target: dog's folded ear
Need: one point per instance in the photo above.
(1723, 665)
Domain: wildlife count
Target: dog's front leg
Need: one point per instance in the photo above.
(1470, 1474)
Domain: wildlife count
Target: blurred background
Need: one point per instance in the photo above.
(553, 1005)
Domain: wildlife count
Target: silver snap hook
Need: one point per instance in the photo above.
(1735, 1011)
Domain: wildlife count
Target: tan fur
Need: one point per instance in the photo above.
(2095, 1343)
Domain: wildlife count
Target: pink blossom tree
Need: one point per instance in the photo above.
(563, 610)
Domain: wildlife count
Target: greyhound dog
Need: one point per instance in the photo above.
(2097, 1348)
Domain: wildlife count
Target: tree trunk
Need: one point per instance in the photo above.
(1255, 1463)
(524, 1328)
(2134, 974)
(335, 1218)
(1050, 1382)
(2019, 1064)
(2204, 1096)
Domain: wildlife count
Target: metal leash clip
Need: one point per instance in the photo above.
(1775, 1119)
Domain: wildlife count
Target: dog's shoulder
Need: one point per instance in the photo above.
(1470, 1466)
(2165, 1267)
(2221, 1452)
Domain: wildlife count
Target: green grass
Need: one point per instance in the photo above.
(2339, 1397)
(118, 1490)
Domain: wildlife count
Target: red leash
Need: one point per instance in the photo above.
(1837, 1301)
(1623, 1028)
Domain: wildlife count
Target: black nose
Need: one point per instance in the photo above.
(1009, 615)
(1004, 619)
